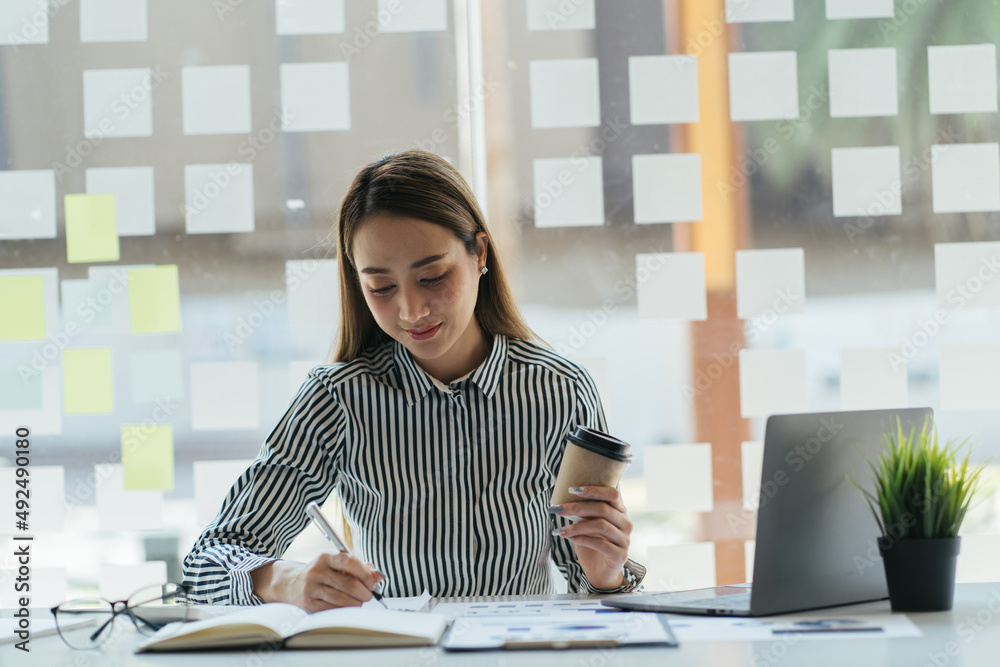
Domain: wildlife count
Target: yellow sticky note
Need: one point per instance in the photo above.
(154, 299)
(22, 308)
(88, 381)
(91, 229)
(148, 456)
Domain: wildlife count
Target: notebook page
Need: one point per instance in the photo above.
(376, 620)
(279, 617)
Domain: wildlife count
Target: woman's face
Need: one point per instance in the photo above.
(421, 286)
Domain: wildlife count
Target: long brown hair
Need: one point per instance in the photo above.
(421, 185)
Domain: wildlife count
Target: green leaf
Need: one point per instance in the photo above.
(916, 474)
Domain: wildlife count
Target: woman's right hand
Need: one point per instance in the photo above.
(330, 580)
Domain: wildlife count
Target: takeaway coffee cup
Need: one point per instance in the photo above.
(591, 458)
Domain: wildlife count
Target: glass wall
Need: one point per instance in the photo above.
(724, 210)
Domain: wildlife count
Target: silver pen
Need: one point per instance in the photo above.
(312, 511)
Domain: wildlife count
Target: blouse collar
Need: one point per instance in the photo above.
(415, 382)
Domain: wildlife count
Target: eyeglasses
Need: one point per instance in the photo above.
(150, 609)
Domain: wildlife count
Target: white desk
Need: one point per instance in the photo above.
(955, 631)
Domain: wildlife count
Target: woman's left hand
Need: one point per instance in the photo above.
(600, 535)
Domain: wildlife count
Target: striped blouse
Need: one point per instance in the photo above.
(444, 487)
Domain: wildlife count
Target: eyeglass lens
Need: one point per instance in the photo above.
(86, 623)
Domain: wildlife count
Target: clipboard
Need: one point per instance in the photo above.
(559, 631)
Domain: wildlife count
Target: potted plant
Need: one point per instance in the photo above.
(922, 494)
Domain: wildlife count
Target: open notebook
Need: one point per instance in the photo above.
(277, 622)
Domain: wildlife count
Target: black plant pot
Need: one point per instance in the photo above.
(920, 573)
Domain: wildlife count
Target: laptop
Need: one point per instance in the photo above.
(816, 537)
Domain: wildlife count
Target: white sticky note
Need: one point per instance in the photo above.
(47, 506)
(873, 379)
(157, 375)
(113, 21)
(46, 420)
(962, 79)
(20, 386)
(216, 99)
(135, 211)
(859, 9)
(118, 582)
(663, 89)
(680, 567)
(315, 97)
(678, 477)
(561, 15)
(313, 289)
(965, 274)
(119, 102)
(569, 192)
(565, 93)
(224, 396)
(867, 181)
(763, 86)
(118, 509)
(212, 481)
(863, 82)
(759, 11)
(667, 187)
(412, 15)
(968, 378)
(749, 557)
(772, 382)
(309, 17)
(752, 466)
(770, 282)
(24, 22)
(965, 177)
(671, 285)
(977, 560)
(28, 204)
(218, 198)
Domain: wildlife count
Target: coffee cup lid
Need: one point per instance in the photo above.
(600, 443)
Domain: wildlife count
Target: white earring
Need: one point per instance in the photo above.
(483, 270)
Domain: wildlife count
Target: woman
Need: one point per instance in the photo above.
(441, 426)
